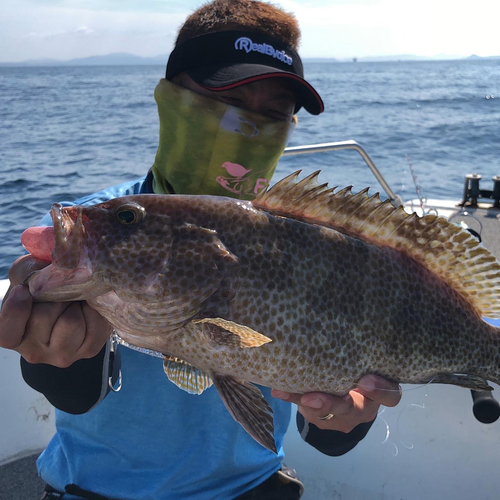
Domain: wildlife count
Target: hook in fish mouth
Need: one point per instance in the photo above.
(68, 234)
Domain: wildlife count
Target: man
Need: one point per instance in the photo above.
(233, 84)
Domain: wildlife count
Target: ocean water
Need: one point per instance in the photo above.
(67, 132)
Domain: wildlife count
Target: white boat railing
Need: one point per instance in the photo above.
(337, 146)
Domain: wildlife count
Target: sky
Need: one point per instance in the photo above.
(67, 29)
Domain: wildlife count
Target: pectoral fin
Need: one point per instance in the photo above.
(232, 334)
(185, 376)
(247, 405)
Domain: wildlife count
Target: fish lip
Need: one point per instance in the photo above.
(68, 235)
(55, 284)
(70, 275)
(60, 230)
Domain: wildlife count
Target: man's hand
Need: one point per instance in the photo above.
(359, 406)
(57, 333)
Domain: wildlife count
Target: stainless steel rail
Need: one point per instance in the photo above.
(334, 146)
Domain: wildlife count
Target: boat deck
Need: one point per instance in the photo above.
(490, 220)
(19, 480)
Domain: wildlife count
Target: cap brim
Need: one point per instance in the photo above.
(224, 77)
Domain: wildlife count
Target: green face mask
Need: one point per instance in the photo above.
(209, 147)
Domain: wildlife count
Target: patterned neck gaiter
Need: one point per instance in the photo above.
(209, 147)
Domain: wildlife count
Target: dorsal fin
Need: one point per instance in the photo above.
(447, 250)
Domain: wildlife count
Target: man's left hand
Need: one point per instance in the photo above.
(358, 406)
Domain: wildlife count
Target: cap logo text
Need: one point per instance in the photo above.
(246, 44)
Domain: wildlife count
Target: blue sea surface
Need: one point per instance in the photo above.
(69, 131)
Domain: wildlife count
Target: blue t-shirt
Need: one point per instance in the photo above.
(154, 441)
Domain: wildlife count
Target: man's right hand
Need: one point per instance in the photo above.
(57, 333)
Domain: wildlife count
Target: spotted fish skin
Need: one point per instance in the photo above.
(249, 293)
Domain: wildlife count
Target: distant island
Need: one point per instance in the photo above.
(117, 59)
(124, 59)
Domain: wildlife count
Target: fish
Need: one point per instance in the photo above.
(303, 289)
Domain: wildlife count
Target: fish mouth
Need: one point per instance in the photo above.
(69, 277)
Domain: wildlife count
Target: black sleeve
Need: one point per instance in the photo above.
(332, 443)
(78, 388)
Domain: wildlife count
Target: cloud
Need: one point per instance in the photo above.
(379, 27)
(48, 31)
(65, 29)
(82, 31)
(159, 6)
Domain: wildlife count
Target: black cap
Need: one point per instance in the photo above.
(228, 59)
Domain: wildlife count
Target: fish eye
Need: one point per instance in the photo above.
(130, 214)
(127, 216)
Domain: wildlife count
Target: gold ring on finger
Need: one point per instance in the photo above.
(326, 417)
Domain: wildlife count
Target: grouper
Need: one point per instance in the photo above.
(304, 289)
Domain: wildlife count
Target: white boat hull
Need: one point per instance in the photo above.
(26, 417)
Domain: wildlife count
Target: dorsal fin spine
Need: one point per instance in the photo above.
(447, 250)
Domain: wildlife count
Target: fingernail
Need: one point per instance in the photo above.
(281, 395)
(368, 384)
(29, 277)
(314, 404)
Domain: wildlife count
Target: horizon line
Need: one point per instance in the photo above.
(395, 57)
